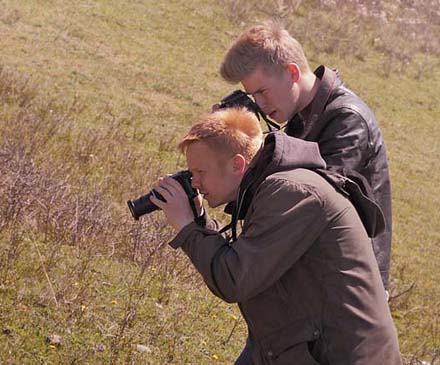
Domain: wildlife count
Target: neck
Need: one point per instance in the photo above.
(310, 88)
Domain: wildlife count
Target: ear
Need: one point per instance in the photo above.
(239, 164)
(294, 71)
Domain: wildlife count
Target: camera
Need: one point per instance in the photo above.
(143, 204)
(239, 98)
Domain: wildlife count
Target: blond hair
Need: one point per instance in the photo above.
(229, 131)
(268, 45)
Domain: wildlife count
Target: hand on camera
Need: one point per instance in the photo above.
(176, 208)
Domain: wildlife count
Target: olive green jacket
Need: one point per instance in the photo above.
(302, 270)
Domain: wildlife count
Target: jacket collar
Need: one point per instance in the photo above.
(310, 127)
(278, 153)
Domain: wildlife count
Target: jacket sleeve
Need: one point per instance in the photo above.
(346, 140)
(284, 220)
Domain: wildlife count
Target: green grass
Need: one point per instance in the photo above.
(93, 98)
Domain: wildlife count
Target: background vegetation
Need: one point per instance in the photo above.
(94, 96)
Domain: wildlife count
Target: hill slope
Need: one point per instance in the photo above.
(93, 97)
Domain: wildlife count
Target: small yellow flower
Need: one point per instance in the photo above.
(234, 317)
(215, 357)
(153, 269)
(114, 302)
(53, 347)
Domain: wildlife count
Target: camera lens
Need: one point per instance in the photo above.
(143, 205)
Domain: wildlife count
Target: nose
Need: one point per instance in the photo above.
(195, 182)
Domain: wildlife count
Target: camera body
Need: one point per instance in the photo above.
(239, 98)
(143, 204)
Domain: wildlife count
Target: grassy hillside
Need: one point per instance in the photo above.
(93, 97)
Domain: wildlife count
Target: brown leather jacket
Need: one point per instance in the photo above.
(349, 137)
(302, 270)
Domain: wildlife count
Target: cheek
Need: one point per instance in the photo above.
(274, 98)
(282, 95)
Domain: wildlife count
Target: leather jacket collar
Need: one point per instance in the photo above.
(309, 129)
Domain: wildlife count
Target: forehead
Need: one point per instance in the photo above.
(200, 156)
(259, 78)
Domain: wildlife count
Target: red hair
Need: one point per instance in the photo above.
(229, 131)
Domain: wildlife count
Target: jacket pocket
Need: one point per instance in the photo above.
(290, 345)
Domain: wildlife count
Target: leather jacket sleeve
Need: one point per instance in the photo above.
(345, 141)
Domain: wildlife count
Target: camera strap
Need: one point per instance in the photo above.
(270, 125)
(236, 210)
(200, 220)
